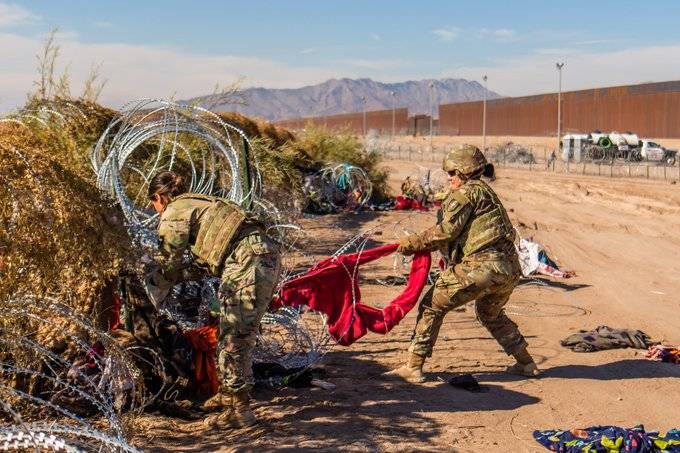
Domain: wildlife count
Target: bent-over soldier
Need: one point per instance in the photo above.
(226, 243)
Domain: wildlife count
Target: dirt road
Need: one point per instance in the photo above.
(622, 237)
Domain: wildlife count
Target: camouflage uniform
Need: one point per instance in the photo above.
(414, 190)
(224, 241)
(477, 235)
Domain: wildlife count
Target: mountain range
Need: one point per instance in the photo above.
(348, 95)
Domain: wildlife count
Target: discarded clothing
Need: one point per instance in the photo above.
(273, 375)
(467, 382)
(203, 341)
(609, 439)
(405, 204)
(534, 260)
(332, 287)
(664, 353)
(604, 337)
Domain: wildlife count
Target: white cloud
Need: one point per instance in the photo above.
(373, 64)
(135, 71)
(376, 37)
(557, 51)
(498, 35)
(504, 35)
(308, 50)
(11, 15)
(446, 34)
(536, 73)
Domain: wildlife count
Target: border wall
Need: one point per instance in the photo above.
(649, 110)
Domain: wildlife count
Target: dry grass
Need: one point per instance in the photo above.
(59, 237)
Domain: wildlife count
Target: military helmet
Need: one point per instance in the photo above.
(465, 160)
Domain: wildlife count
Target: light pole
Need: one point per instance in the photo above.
(431, 113)
(559, 67)
(484, 78)
(393, 119)
(363, 99)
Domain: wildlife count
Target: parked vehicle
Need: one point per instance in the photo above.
(600, 147)
(653, 152)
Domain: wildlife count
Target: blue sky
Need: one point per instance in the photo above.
(181, 49)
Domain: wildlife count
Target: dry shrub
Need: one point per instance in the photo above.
(59, 237)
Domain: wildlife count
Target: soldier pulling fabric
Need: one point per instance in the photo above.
(474, 230)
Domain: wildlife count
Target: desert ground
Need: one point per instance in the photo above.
(621, 236)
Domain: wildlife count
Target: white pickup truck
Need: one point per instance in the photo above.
(654, 152)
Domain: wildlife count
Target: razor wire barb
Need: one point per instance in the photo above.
(65, 382)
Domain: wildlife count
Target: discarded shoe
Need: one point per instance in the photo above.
(467, 382)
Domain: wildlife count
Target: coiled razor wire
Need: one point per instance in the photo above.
(170, 133)
(211, 149)
(114, 389)
(350, 180)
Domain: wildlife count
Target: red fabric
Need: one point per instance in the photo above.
(203, 341)
(405, 204)
(114, 314)
(329, 287)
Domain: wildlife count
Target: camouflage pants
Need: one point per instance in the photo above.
(248, 282)
(489, 284)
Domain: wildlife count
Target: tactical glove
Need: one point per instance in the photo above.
(407, 245)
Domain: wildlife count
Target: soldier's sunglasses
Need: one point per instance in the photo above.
(452, 173)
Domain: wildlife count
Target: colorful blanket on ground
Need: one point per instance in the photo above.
(332, 287)
(604, 337)
(664, 353)
(609, 439)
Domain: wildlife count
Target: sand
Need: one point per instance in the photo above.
(621, 236)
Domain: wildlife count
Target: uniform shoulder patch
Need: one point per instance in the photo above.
(459, 196)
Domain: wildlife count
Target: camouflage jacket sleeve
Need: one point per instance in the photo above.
(456, 211)
(173, 236)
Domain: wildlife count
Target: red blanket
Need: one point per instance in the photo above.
(332, 286)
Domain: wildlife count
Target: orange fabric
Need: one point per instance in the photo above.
(203, 341)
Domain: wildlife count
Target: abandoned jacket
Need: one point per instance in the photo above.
(473, 226)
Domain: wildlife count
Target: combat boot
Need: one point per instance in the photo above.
(525, 365)
(412, 371)
(222, 419)
(219, 402)
(242, 414)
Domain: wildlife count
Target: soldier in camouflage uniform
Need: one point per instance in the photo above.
(475, 232)
(223, 241)
(414, 190)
